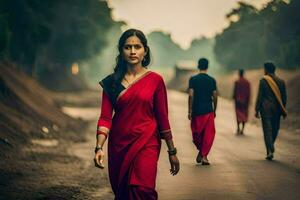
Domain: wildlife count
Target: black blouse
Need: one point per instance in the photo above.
(110, 89)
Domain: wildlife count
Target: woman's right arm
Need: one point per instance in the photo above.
(103, 127)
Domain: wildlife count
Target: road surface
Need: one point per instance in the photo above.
(238, 169)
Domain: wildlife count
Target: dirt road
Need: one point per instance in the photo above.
(238, 169)
(54, 169)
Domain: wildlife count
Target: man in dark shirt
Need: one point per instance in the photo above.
(202, 110)
(269, 107)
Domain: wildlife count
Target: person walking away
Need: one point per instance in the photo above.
(241, 97)
(270, 106)
(202, 105)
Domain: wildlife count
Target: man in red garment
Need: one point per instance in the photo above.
(241, 96)
(202, 110)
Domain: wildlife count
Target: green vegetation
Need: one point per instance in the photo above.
(166, 53)
(46, 37)
(102, 64)
(255, 36)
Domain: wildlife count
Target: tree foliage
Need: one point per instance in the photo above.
(166, 53)
(46, 37)
(255, 36)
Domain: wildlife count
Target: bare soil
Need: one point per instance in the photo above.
(45, 153)
(47, 139)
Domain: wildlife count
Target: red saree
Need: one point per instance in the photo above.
(241, 96)
(139, 121)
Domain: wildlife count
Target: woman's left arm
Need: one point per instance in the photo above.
(161, 115)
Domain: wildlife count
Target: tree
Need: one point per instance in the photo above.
(256, 36)
(48, 36)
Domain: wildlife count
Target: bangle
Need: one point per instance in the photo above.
(172, 152)
(97, 149)
(101, 133)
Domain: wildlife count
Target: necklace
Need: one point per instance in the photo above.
(137, 78)
(127, 81)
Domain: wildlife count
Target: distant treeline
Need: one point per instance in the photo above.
(255, 36)
(45, 37)
(166, 53)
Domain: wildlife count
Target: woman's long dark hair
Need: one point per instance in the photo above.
(121, 64)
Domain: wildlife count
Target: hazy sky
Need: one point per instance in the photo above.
(183, 19)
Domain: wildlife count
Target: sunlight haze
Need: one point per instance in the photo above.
(184, 20)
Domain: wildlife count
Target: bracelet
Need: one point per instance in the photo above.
(97, 149)
(172, 152)
(101, 133)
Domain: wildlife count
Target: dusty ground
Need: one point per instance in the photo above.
(55, 168)
(58, 164)
(63, 169)
(35, 136)
(238, 169)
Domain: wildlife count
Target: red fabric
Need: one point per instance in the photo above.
(141, 113)
(166, 135)
(142, 193)
(203, 129)
(160, 105)
(241, 97)
(106, 112)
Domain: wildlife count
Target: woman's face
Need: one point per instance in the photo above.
(134, 51)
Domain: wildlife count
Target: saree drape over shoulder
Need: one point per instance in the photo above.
(140, 120)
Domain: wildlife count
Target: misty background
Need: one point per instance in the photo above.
(72, 44)
(53, 53)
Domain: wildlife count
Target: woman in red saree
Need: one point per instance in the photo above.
(138, 99)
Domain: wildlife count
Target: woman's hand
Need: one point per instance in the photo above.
(174, 162)
(99, 159)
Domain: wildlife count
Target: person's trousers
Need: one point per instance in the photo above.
(271, 125)
(203, 130)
